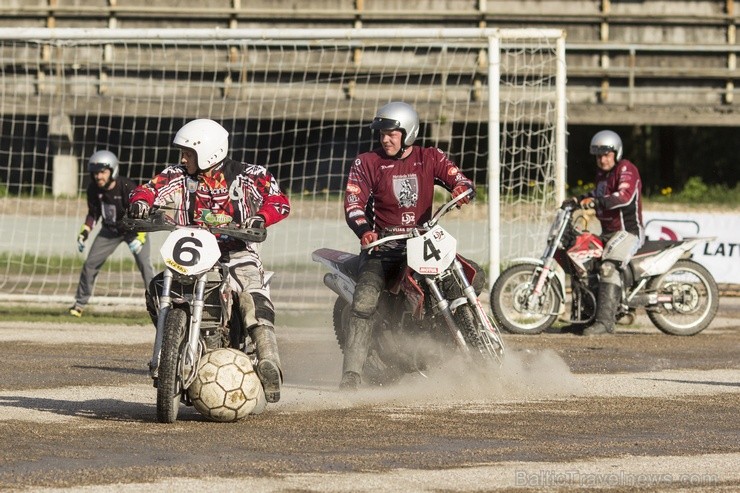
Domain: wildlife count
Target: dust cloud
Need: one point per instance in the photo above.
(523, 375)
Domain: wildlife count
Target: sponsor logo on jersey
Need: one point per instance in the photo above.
(356, 212)
(352, 188)
(406, 189)
(352, 199)
(452, 171)
(408, 218)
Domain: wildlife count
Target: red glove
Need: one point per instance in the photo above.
(461, 189)
(588, 203)
(368, 238)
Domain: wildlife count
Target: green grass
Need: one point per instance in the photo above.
(58, 315)
(55, 264)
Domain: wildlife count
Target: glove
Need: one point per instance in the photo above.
(255, 222)
(137, 243)
(82, 238)
(460, 189)
(588, 203)
(368, 237)
(139, 210)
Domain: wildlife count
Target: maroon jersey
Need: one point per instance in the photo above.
(618, 196)
(391, 195)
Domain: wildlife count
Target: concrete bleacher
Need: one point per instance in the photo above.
(662, 62)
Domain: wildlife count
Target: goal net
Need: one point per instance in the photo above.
(298, 102)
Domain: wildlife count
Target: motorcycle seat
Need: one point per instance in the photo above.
(346, 263)
(652, 246)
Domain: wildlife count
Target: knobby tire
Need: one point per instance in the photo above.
(667, 319)
(169, 385)
(507, 298)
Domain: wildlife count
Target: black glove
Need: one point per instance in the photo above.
(139, 210)
(571, 203)
(255, 222)
(82, 237)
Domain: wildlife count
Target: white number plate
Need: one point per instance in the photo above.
(432, 252)
(190, 251)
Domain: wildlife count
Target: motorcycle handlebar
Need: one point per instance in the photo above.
(159, 221)
(386, 239)
(572, 204)
(421, 229)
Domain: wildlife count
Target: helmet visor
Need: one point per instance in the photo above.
(600, 150)
(384, 124)
(98, 167)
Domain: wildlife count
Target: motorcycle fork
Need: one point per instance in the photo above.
(443, 306)
(191, 351)
(165, 303)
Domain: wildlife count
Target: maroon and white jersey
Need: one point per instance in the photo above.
(618, 196)
(391, 195)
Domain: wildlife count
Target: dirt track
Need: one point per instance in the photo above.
(636, 410)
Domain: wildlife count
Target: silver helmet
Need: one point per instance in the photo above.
(208, 139)
(606, 141)
(398, 116)
(101, 160)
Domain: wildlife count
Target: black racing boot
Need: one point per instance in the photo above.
(268, 361)
(357, 345)
(606, 310)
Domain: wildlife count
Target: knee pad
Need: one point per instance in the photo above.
(365, 300)
(609, 273)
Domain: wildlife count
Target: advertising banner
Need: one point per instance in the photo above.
(720, 255)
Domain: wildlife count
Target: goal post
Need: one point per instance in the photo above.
(298, 101)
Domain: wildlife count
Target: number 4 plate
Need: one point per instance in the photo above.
(432, 252)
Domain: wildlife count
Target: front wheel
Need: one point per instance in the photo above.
(694, 298)
(514, 305)
(169, 384)
(481, 342)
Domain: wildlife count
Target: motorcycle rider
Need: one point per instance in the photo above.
(617, 198)
(389, 191)
(107, 201)
(207, 183)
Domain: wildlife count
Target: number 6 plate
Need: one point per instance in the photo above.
(190, 251)
(432, 252)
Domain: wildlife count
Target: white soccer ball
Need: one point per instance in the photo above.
(227, 387)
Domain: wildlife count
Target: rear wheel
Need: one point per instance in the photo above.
(169, 384)
(513, 306)
(340, 319)
(694, 299)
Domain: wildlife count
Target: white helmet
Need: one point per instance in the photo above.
(208, 139)
(606, 141)
(103, 160)
(398, 116)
